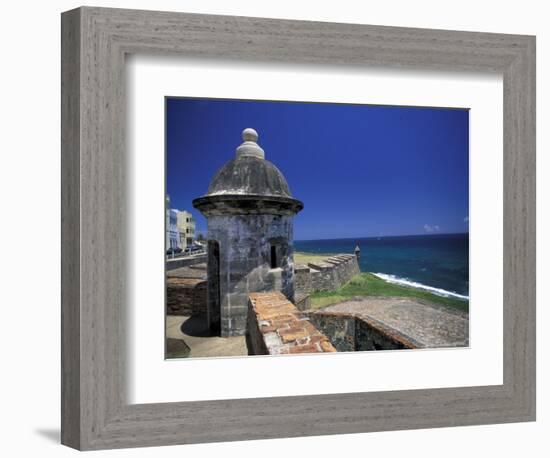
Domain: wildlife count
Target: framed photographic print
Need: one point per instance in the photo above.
(287, 228)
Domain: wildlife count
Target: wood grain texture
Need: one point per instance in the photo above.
(96, 414)
(70, 229)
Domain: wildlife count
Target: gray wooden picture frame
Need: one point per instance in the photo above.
(95, 412)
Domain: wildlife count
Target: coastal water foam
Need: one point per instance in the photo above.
(413, 284)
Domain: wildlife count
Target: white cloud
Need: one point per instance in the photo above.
(430, 229)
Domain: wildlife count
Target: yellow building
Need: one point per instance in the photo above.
(186, 228)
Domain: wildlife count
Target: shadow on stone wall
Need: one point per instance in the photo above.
(353, 333)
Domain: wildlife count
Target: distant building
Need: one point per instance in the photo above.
(172, 233)
(186, 228)
(180, 227)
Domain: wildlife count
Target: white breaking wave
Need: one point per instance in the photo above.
(406, 282)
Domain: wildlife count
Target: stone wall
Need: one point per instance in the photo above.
(185, 296)
(276, 327)
(328, 275)
(302, 279)
(302, 302)
(359, 333)
(340, 330)
(244, 262)
(373, 335)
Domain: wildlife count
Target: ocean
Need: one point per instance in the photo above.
(437, 263)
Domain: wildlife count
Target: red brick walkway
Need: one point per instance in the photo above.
(284, 329)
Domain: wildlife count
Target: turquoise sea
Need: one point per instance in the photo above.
(438, 263)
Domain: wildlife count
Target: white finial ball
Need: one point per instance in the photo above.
(250, 135)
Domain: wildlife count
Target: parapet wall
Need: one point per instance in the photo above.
(185, 296)
(186, 290)
(185, 261)
(276, 327)
(328, 275)
(349, 332)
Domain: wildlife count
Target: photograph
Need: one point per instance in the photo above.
(297, 227)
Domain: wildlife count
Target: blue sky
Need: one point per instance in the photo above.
(361, 170)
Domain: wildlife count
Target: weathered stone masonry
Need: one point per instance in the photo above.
(250, 210)
(186, 289)
(185, 296)
(244, 262)
(349, 332)
(276, 327)
(328, 275)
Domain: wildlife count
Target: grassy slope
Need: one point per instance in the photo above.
(367, 284)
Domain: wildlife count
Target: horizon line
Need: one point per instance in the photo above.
(381, 236)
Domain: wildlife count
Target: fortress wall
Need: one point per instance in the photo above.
(185, 296)
(276, 327)
(348, 332)
(372, 335)
(302, 279)
(323, 276)
(303, 302)
(345, 266)
(185, 261)
(328, 275)
(340, 330)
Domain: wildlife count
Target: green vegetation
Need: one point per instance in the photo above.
(367, 284)
(304, 258)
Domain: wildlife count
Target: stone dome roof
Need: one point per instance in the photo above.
(248, 177)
